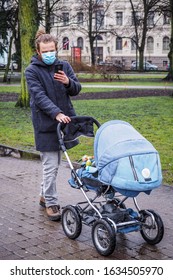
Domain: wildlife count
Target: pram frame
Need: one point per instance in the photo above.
(135, 224)
(73, 171)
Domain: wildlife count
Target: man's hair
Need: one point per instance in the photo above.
(42, 36)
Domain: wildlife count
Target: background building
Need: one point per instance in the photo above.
(113, 30)
(96, 31)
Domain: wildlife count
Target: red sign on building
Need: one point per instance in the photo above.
(76, 54)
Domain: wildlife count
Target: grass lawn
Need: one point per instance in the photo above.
(151, 116)
(126, 79)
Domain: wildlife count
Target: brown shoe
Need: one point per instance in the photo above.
(42, 202)
(53, 212)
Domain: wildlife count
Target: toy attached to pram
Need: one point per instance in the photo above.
(124, 165)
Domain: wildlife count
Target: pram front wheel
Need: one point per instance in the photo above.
(71, 222)
(103, 236)
(153, 229)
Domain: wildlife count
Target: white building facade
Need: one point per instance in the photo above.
(113, 24)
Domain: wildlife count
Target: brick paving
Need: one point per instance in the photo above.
(27, 234)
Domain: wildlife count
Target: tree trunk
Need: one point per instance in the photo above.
(28, 20)
(17, 55)
(5, 79)
(47, 16)
(141, 58)
(169, 77)
(92, 50)
(90, 30)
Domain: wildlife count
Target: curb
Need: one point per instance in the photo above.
(17, 153)
(22, 154)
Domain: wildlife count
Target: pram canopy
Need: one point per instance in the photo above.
(125, 159)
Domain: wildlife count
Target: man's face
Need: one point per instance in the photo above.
(46, 47)
(47, 52)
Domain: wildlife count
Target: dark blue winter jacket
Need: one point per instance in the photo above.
(49, 97)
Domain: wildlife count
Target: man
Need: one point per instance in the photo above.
(50, 103)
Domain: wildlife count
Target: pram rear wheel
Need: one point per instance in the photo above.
(103, 236)
(71, 222)
(153, 229)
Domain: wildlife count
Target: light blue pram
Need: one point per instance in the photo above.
(125, 159)
(124, 164)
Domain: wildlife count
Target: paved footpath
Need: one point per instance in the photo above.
(27, 234)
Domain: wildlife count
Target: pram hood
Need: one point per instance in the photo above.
(125, 159)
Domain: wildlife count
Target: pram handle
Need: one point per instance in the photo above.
(60, 136)
(74, 119)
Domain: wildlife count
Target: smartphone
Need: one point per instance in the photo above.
(58, 67)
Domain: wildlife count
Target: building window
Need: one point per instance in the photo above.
(165, 63)
(65, 17)
(150, 20)
(118, 43)
(65, 43)
(98, 2)
(119, 18)
(133, 44)
(99, 37)
(80, 42)
(99, 19)
(166, 18)
(80, 18)
(166, 43)
(135, 18)
(150, 44)
(52, 19)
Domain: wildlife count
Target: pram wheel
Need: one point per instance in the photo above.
(153, 229)
(71, 222)
(103, 236)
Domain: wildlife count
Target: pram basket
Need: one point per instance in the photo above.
(125, 164)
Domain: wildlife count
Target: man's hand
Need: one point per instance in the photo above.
(63, 118)
(61, 77)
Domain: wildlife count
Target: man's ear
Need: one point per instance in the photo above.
(38, 52)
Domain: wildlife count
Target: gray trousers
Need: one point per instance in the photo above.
(50, 163)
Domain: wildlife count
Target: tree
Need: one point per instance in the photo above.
(93, 22)
(48, 13)
(50, 9)
(8, 24)
(143, 13)
(169, 9)
(3, 27)
(143, 18)
(12, 18)
(28, 22)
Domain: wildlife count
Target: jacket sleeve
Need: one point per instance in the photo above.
(38, 95)
(74, 85)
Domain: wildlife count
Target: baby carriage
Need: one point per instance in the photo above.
(124, 165)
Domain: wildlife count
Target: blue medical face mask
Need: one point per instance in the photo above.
(48, 57)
